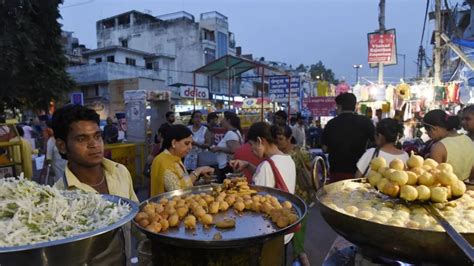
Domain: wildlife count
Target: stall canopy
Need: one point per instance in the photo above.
(229, 66)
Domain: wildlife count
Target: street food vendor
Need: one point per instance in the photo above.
(450, 147)
(167, 170)
(79, 140)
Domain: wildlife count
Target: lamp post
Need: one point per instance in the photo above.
(357, 72)
(404, 57)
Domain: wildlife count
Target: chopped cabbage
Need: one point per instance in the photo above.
(31, 213)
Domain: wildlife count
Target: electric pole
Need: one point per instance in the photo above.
(382, 31)
(437, 51)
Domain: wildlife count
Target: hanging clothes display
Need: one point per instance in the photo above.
(452, 92)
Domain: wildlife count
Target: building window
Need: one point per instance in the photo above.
(149, 65)
(222, 44)
(98, 59)
(111, 58)
(209, 55)
(124, 43)
(130, 61)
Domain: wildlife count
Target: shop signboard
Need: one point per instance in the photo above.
(382, 48)
(320, 106)
(278, 86)
(202, 93)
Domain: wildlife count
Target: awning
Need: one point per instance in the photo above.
(228, 66)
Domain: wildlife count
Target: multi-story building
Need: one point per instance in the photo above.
(176, 42)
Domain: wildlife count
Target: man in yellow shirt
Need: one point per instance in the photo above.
(79, 140)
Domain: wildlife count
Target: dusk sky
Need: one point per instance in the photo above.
(298, 31)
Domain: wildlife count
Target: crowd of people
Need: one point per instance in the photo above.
(269, 154)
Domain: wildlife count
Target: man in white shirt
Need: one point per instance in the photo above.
(299, 130)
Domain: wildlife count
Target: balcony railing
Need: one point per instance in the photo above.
(176, 15)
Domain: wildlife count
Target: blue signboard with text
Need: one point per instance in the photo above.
(278, 86)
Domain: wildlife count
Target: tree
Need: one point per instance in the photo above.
(301, 68)
(32, 69)
(319, 70)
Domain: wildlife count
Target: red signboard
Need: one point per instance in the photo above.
(320, 106)
(382, 48)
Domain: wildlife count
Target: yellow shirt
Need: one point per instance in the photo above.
(168, 173)
(119, 181)
(460, 154)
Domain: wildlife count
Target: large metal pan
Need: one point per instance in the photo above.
(250, 228)
(410, 245)
(77, 250)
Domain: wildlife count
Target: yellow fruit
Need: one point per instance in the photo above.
(458, 189)
(426, 179)
(445, 166)
(391, 189)
(399, 177)
(374, 178)
(447, 178)
(397, 164)
(424, 192)
(377, 163)
(388, 172)
(382, 170)
(408, 193)
(427, 167)
(382, 183)
(418, 171)
(412, 178)
(439, 194)
(431, 163)
(415, 161)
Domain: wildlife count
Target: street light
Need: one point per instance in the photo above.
(357, 72)
(404, 56)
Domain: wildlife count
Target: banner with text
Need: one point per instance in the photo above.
(278, 88)
(382, 48)
(320, 106)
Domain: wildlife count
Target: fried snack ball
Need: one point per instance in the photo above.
(164, 215)
(409, 193)
(239, 206)
(159, 207)
(209, 199)
(199, 212)
(223, 206)
(169, 209)
(267, 208)
(397, 164)
(171, 203)
(378, 163)
(190, 222)
(282, 221)
(173, 220)
(248, 204)
(412, 178)
(182, 211)
(230, 200)
(256, 206)
(287, 205)
(256, 198)
(163, 201)
(424, 192)
(143, 222)
(202, 202)
(439, 194)
(206, 219)
(154, 227)
(458, 189)
(164, 225)
(351, 210)
(141, 216)
(149, 209)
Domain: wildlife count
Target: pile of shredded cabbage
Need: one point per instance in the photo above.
(31, 213)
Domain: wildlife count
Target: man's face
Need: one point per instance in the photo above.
(257, 148)
(84, 145)
(171, 119)
(468, 122)
(279, 120)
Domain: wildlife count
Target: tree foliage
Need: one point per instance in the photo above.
(319, 71)
(32, 69)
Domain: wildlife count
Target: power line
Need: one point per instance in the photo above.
(77, 4)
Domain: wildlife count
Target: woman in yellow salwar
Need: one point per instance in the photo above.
(167, 169)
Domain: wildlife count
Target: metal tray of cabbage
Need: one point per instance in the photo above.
(250, 227)
(394, 241)
(76, 250)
